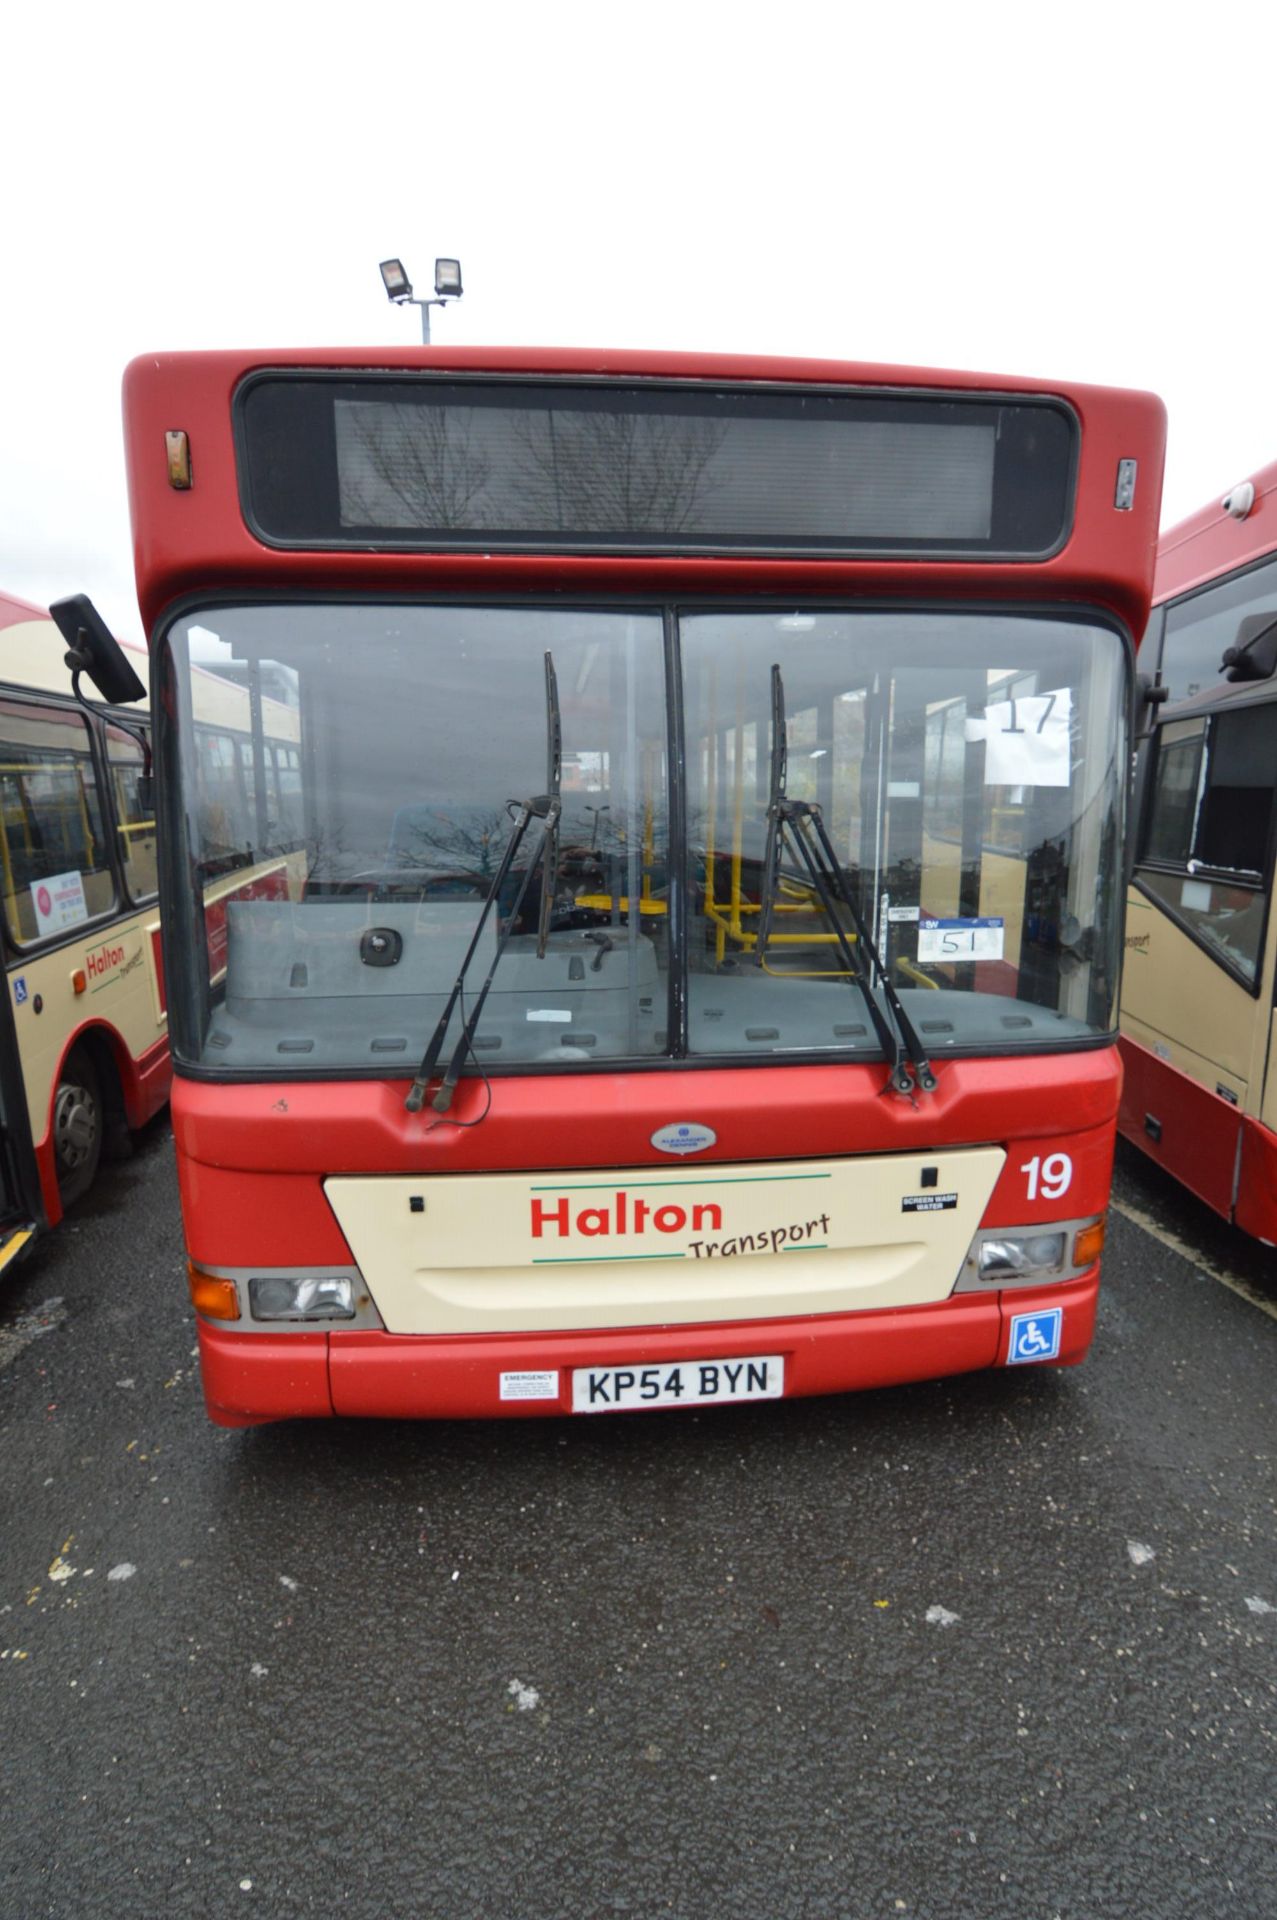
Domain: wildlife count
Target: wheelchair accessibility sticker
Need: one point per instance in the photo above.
(1035, 1336)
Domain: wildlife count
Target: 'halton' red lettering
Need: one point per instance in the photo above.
(626, 1214)
(104, 960)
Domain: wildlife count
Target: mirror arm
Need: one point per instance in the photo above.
(1150, 693)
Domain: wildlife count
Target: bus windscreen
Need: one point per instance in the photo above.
(424, 461)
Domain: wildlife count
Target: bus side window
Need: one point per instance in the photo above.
(53, 849)
(136, 824)
(1209, 823)
(288, 762)
(223, 809)
(1201, 628)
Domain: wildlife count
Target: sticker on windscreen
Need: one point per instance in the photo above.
(683, 1136)
(965, 939)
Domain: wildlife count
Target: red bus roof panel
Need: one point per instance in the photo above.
(197, 541)
(1214, 541)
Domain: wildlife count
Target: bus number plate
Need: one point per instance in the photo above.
(678, 1383)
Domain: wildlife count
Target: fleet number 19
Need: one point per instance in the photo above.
(1052, 1176)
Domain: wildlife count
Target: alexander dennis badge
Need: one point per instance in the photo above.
(684, 1136)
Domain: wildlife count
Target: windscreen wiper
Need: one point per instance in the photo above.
(547, 808)
(554, 788)
(804, 824)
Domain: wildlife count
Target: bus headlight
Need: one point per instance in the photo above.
(298, 1297)
(1031, 1256)
(1017, 1258)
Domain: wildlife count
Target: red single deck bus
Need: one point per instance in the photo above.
(693, 974)
(1200, 1095)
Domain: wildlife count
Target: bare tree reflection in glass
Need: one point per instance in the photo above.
(619, 472)
(419, 468)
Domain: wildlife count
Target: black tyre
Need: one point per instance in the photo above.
(77, 1126)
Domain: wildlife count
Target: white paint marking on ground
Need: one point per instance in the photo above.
(525, 1698)
(1140, 1554)
(941, 1617)
(1257, 1605)
(286, 1580)
(124, 1571)
(1232, 1281)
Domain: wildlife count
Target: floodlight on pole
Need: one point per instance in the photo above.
(399, 289)
(398, 285)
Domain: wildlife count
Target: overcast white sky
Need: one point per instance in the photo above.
(1071, 192)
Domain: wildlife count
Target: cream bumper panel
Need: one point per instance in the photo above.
(643, 1246)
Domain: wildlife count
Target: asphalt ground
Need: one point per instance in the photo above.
(997, 1646)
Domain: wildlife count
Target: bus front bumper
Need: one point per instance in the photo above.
(252, 1378)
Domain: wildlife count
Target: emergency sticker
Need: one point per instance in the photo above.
(531, 1385)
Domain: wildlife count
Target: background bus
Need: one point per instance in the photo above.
(86, 998)
(693, 964)
(81, 920)
(1201, 944)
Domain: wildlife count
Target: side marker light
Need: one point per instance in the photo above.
(177, 446)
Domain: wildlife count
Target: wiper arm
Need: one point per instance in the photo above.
(554, 788)
(805, 824)
(547, 808)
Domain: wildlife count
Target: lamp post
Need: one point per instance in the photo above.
(399, 289)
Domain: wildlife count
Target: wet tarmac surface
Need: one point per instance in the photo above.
(997, 1646)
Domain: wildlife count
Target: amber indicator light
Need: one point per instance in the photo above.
(1088, 1244)
(215, 1298)
(79, 980)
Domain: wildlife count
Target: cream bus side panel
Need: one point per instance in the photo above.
(1181, 1004)
(124, 996)
(1266, 1028)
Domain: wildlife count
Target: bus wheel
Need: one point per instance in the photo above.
(77, 1126)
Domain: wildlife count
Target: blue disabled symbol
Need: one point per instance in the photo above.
(1035, 1336)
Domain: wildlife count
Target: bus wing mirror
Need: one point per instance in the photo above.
(1254, 657)
(93, 649)
(1149, 695)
